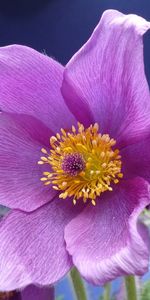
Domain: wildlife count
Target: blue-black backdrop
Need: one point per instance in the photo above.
(60, 27)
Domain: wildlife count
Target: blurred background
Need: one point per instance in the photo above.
(59, 28)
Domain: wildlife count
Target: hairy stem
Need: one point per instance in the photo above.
(107, 289)
(130, 288)
(78, 285)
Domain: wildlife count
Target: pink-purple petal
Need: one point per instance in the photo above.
(30, 83)
(33, 292)
(136, 159)
(107, 240)
(107, 74)
(32, 245)
(21, 140)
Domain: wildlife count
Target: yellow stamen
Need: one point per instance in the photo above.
(83, 163)
(44, 151)
(40, 162)
(43, 179)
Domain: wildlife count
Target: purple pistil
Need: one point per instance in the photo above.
(73, 164)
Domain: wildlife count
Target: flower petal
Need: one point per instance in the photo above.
(21, 140)
(108, 75)
(136, 160)
(30, 84)
(32, 246)
(33, 292)
(106, 241)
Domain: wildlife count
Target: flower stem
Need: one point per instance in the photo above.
(130, 287)
(78, 285)
(107, 288)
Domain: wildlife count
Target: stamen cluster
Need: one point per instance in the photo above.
(83, 163)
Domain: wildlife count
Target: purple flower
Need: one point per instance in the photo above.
(104, 86)
(31, 292)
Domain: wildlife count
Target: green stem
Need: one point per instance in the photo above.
(130, 287)
(107, 289)
(78, 285)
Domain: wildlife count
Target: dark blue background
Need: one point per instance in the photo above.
(60, 27)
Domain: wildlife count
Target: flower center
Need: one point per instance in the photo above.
(73, 163)
(83, 163)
